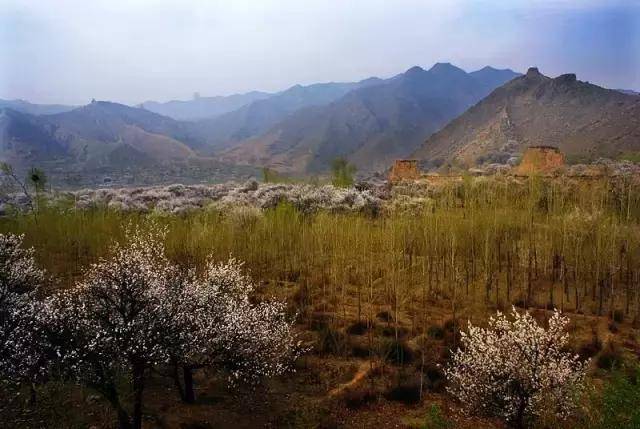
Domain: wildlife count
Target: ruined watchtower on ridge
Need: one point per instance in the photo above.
(404, 169)
(540, 160)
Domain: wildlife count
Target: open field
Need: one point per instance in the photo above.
(380, 296)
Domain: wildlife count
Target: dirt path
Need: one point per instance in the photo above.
(363, 371)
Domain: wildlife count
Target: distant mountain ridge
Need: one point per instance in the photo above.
(629, 91)
(370, 126)
(443, 114)
(111, 142)
(582, 119)
(34, 109)
(203, 107)
(95, 135)
(225, 131)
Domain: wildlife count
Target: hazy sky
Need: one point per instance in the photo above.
(58, 51)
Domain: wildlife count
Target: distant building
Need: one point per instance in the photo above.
(404, 169)
(540, 160)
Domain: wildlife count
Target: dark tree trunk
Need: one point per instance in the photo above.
(176, 379)
(138, 388)
(110, 393)
(519, 420)
(189, 393)
(124, 421)
(32, 394)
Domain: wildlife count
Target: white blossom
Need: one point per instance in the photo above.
(516, 369)
(21, 349)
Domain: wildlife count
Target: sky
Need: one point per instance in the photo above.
(70, 51)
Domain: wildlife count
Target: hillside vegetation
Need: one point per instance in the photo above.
(381, 296)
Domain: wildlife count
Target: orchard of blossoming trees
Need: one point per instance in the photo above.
(134, 311)
(381, 282)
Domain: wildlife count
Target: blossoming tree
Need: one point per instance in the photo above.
(516, 369)
(22, 353)
(112, 322)
(224, 329)
(135, 310)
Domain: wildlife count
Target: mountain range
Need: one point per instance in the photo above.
(203, 107)
(228, 130)
(34, 109)
(371, 125)
(583, 120)
(105, 138)
(442, 114)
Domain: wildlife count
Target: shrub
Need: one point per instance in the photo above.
(451, 325)
(21, 355)
(436, 332)
(613, 328)
(517, 370)
(358, 328)
(360, 351)
(385, 316)
(434, 377)
(618, 405)
(391, 332)
(407, 392)
(435, 419)
(342, 173)
(590, 349)
(398, 352)
(332, 341)
(357, 397)
(618, 316)
(609, 358)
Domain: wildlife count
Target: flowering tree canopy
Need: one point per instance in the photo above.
(114, 321)
(21, 354)
(135, 310)
(250, 340)
(516, 369)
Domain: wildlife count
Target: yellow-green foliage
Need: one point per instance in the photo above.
(480, 242)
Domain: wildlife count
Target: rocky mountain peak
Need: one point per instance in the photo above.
(533, 72)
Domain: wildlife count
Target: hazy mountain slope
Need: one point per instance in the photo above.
(203, 107)
(34, 109)
(105, 121)
(370, 126)
(251, 120)
(582, 119)
(88, 136)
(629, 92)
(25, 138)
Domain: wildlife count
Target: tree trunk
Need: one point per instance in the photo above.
(124, 421)
(189, 393)
(32, 394)
(110, 393)
(519, 420)
(176, 380)
(138, 388)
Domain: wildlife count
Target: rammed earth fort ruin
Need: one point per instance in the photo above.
(537, 160)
